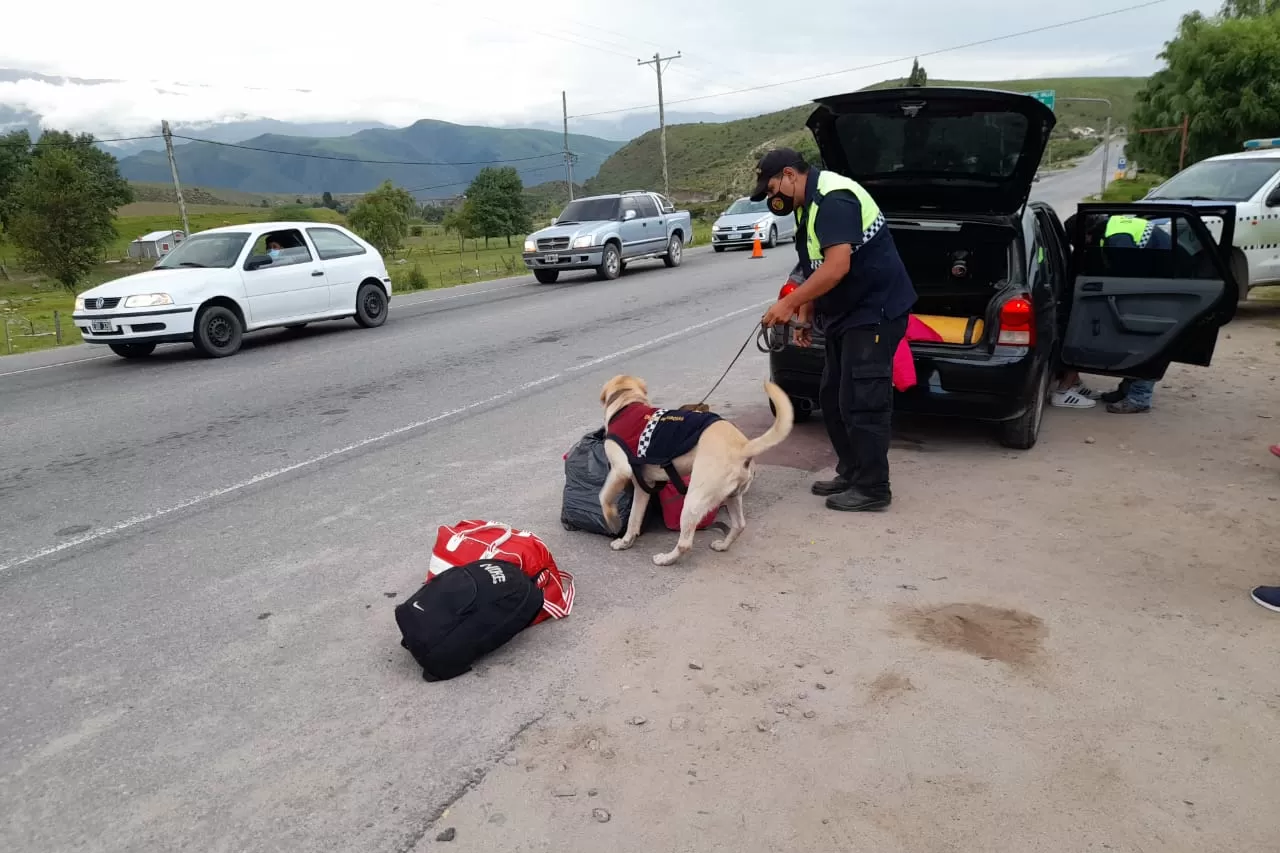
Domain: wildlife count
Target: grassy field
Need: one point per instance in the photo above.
(1126, 190)
(715, 160)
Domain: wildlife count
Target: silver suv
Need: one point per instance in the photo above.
(605, 232)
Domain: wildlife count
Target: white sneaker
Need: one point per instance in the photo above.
(1085, 391)
(1071, 398)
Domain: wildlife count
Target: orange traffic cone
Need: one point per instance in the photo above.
(757, 251)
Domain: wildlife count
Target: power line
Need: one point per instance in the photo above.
(65, 143)
(882, 63)
(364, 160)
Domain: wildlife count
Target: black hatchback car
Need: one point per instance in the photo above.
(997, 278)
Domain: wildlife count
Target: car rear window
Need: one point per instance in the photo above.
(961, 143)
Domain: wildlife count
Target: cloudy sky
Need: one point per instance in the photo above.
(398, 61)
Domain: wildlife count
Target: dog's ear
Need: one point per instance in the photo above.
(644, 388)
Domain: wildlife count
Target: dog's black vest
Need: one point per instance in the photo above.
(652, 436)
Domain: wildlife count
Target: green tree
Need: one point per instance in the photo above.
(459, 222)
(62, 215)
(919, 77)
(495, 204)
(1220, 72)
(382, 217)
(15, 154)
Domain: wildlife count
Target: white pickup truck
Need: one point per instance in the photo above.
(605, 232)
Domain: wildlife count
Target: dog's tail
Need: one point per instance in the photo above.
(783, 419)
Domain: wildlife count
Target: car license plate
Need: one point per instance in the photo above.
(552, 259)
(100, 325)
(736, 236)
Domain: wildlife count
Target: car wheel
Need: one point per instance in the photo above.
(675, 251)
(546, 276)
(133, 350)
(218, 332)
(773, 237)
(611, 264)
(371, 306)
(1023, 432)
(802, 411)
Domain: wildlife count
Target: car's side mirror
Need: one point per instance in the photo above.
(257, 262)
(555, 220)
(1273, 200)
(628, 215)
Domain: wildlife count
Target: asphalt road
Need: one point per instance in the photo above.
(198, 559)
(1064, 190)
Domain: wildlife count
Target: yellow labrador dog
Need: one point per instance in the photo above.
(707, 452)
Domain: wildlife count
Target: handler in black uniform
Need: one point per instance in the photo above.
(857, 293)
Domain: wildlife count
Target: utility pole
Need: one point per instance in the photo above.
(568, 156)
(656, 62)
(173, 168)
(1106, 136)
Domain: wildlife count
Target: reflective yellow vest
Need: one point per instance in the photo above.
(1136, 227)
(872, 218)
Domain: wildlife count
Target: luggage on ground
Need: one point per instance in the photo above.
(586, 467)
(673, 505)
(468, 541)
(465, 613)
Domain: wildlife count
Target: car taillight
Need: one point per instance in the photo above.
(1017, 324)
(787, 289)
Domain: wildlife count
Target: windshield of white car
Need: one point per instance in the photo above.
(206, 250)
(746, 205)
(589, 210)
(1219, 180)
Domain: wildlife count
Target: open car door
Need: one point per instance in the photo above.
(1150, 286)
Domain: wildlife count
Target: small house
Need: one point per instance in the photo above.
(157, 244)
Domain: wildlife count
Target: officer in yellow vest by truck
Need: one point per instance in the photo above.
(857, 293)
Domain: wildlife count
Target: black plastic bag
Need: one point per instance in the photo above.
(585, 469)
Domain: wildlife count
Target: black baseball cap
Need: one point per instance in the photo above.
(773, 163)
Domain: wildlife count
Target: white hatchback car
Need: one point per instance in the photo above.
(218, 284)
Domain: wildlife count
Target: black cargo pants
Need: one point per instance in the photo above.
(856, 397)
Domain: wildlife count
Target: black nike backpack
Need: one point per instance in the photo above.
(464, 613)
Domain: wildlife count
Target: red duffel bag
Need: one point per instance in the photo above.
(469, 541)
(673, 504)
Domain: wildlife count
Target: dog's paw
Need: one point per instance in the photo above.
(620, 544)
(720, 545)
(665, 559)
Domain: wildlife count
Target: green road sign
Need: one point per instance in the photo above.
(1048, 97)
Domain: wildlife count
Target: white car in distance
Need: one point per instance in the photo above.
(745, 220)
(219, 284)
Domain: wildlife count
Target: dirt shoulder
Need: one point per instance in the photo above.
(1051, 650)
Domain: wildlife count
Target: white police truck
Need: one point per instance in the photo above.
(1250, 179)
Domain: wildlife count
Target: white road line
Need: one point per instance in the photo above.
(59, 364)
(136, 520)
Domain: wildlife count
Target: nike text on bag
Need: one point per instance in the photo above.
(465, 613)
(468, 541)
(586, 467)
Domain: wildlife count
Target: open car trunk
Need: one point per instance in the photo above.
(961, 273)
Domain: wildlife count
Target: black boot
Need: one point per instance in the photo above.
(823, 488)
(855, 500)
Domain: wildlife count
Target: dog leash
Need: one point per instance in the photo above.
(761, 336)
